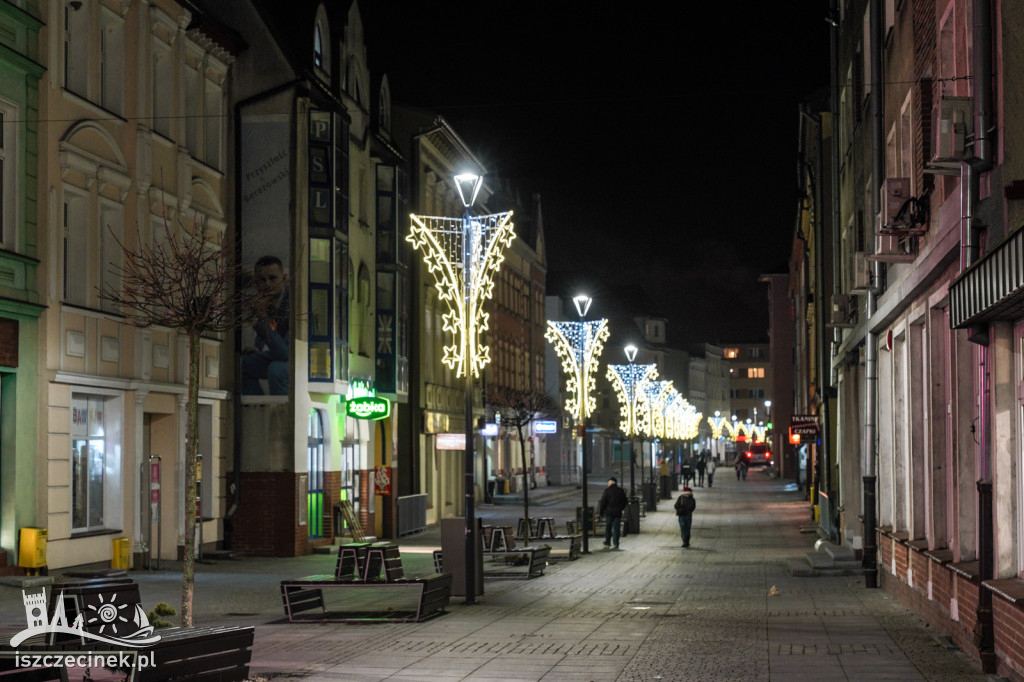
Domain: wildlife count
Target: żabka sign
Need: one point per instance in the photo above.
(368, 407)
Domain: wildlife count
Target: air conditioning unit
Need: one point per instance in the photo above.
(841, 309)
(894, 248)
(952, 123)
(860, 278)
(895, 194)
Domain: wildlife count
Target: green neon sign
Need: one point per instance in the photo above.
(368, 407)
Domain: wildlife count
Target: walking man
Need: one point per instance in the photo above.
(613, 502)
(710, 468)
(685, 504)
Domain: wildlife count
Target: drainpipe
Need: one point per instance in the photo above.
(977, 163)
(870, 563)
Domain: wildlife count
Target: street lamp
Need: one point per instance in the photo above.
(579, 345)
(463, 254)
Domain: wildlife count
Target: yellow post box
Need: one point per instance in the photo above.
(121, 549)
(32, 548)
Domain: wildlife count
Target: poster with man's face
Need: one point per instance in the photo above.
(266, 253)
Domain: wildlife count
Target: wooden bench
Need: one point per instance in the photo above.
(194, 653)
(199, 653)
(526, 562)
(575, 546)
(402, 600)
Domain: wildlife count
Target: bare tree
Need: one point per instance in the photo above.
(188, 282)
(519, 409)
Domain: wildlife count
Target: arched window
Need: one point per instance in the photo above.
(315, 499)
(384, 105)
(322, 44)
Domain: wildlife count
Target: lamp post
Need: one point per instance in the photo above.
(579, 345)
(464, 254)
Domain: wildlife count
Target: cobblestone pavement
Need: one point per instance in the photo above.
(726, 608)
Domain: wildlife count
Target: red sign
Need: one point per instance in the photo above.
(382, 480)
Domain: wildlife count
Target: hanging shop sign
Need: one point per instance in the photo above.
(368, 407)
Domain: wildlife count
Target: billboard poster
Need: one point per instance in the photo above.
(265, 188)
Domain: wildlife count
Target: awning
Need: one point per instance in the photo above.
(991, 289)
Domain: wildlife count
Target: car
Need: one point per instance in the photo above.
(758, 455)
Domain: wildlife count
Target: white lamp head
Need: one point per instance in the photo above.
(468, 184)
(630, 352)
(582, 302)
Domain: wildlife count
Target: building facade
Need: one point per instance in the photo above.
(23, 474)
(925, 332)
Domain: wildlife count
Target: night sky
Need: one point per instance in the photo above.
(663, 146)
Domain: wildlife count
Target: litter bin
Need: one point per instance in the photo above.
(590, 519)
(666, 493)
(631, 518)
(120, 553)
(32, 549)
(650, 489)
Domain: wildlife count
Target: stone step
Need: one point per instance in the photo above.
(820, 562)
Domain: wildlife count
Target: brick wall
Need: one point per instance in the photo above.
(1008, 621)
(266, 523)
(965, 591)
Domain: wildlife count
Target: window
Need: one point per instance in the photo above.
(315, 466)
(730, 353)
(111, 63)
(755, 353)
(755, 372)
(163, 89)
(755, 393)
(322, 44)
(95, 462)
(94, 55)
(76, 232)
(111, 253)
(8, 174)
(76, 55)
(320, 308)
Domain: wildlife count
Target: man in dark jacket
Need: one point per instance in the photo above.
(613, 502)
(685, 504)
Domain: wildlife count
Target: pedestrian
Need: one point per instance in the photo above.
(702, 464)
(687, 471)
(711, 471)
(685, 504)
(613, 502)
(741, 466)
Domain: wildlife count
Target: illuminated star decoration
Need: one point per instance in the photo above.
(578, 345)
(626, 380)
(463, 254)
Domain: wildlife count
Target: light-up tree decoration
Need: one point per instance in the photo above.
(626, 380)
(717, 423)
(579, 345)
(651, 414)
(463, 254)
